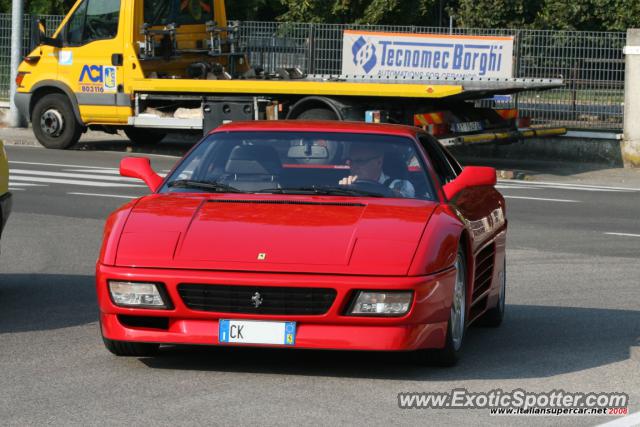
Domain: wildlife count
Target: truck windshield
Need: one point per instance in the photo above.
(311, 163)
(180, 12)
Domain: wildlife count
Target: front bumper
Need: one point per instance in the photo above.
(424, 326)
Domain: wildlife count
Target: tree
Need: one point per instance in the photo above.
(392, 12)
(495, 13)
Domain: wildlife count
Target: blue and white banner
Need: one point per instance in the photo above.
(426, 56)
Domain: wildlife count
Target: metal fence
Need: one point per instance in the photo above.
(591, 63)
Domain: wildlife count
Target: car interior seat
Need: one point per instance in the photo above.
(253, 168)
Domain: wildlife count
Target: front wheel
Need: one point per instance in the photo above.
(450, 353)
(54, 123)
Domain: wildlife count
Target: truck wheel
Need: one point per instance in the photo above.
(317, 114)
(54, 124)
(144, 136)
(135, 349)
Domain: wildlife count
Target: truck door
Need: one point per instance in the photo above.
(91, 60)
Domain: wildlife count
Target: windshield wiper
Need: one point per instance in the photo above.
(204, 185)
(322, 191)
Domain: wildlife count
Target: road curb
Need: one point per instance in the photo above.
(634, 352)
(511, 174)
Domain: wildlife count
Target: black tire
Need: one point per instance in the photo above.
(450, 354)
(493, 317)
(54, 123)
(133, 349)
(144, 136)
(317, 114)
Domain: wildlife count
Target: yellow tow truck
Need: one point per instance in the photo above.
(151, 67)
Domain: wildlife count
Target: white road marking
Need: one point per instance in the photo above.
(75, 182)
(517, 187)
(628, 421)
(24, 184)
(623, 234)
(57, 164)
(16, 189)
(569, 186)
(13, 172)
(105, 172)
(542, 199)
(104, 195)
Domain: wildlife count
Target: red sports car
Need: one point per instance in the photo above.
(317, 235)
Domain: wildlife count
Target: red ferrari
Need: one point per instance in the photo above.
(316, 235)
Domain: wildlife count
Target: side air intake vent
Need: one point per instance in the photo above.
(484, 270)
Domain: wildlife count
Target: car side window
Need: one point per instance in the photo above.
(93, 20)
(441, 165)
(452, 161)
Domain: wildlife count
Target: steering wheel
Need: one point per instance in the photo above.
(373, 187)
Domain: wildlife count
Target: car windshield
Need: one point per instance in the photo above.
(315, 163)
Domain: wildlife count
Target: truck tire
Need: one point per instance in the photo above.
(54, 123)
(132, 349)
(317, 114)
(144, 136)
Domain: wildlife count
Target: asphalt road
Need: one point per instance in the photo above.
(573, 315)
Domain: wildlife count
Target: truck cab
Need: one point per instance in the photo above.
(84, 75)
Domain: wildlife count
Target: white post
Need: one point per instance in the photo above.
(631, 142)
(17, 31)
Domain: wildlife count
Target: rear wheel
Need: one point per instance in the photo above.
(494, 316)
(450, 353)
(135, 349)
(144, 136)
(54, 123)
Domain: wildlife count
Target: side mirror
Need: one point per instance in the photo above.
(140, 167)
(471, 176)
(39, 35)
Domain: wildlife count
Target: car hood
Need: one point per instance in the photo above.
(267, 233)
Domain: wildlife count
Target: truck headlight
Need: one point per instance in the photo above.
(136, 294)
(390, 303)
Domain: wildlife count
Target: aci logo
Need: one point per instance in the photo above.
(364, 54)
(93, 73)
(99, 77)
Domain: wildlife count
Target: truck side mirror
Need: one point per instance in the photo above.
(140, 167)
(40, 35)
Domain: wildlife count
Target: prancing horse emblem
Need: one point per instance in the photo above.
(256, 300)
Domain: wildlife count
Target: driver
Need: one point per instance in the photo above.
(366, 165)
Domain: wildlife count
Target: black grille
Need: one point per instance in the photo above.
(241, 299)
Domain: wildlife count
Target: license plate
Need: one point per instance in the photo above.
(466, 127)
(256, 332)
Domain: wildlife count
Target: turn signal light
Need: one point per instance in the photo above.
(20, 78)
